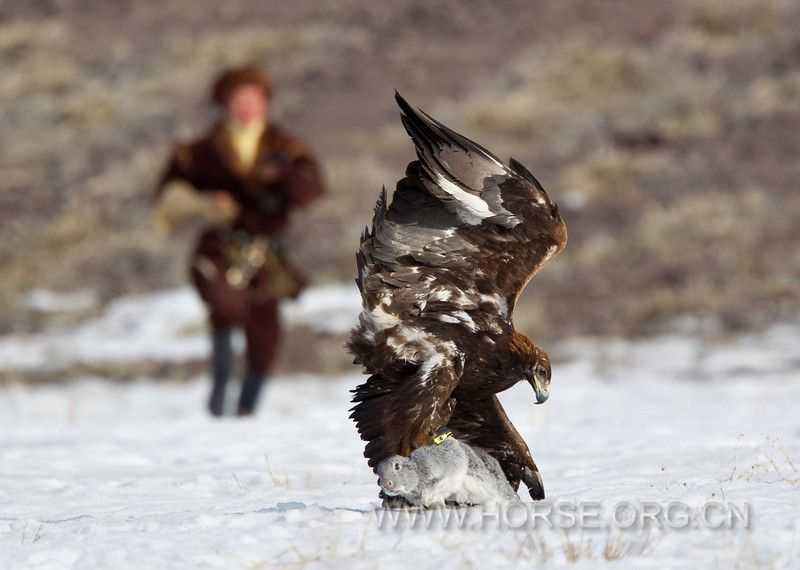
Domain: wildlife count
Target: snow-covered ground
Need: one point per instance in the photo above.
(95, 474)
(167, 325)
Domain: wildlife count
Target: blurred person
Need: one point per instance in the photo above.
(241, 181)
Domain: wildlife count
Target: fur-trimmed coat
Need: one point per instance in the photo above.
(284, 176)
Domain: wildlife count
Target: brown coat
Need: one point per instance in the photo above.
(283, 177)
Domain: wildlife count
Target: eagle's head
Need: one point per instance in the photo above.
(533, 362)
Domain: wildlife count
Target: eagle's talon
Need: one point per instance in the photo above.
(533, 480)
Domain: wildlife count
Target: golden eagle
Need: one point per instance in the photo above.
(439, 274)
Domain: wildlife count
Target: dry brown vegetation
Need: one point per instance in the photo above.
(668, 131)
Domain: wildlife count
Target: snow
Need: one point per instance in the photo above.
(331, 309)
(95, 474)
(167, 325)
(47, 301)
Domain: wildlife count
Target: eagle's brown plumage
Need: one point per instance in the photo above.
(439, 273)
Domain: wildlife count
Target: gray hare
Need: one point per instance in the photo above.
(449, 471)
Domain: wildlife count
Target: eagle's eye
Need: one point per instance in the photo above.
(543, 372)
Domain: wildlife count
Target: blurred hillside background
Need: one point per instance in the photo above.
(669, 133)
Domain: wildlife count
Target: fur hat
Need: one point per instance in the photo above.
(232, 78)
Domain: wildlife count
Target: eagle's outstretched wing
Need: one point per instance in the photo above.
(439, 273)
(460, 208)
(504, 213)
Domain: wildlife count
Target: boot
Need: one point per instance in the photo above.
(251, 387)
(221, 362)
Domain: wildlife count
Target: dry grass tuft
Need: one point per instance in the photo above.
(613, 545)
(770, 463)
(282, 482)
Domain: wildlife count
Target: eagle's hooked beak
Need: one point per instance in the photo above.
(541, 386)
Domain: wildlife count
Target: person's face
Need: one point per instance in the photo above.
(247, 104)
